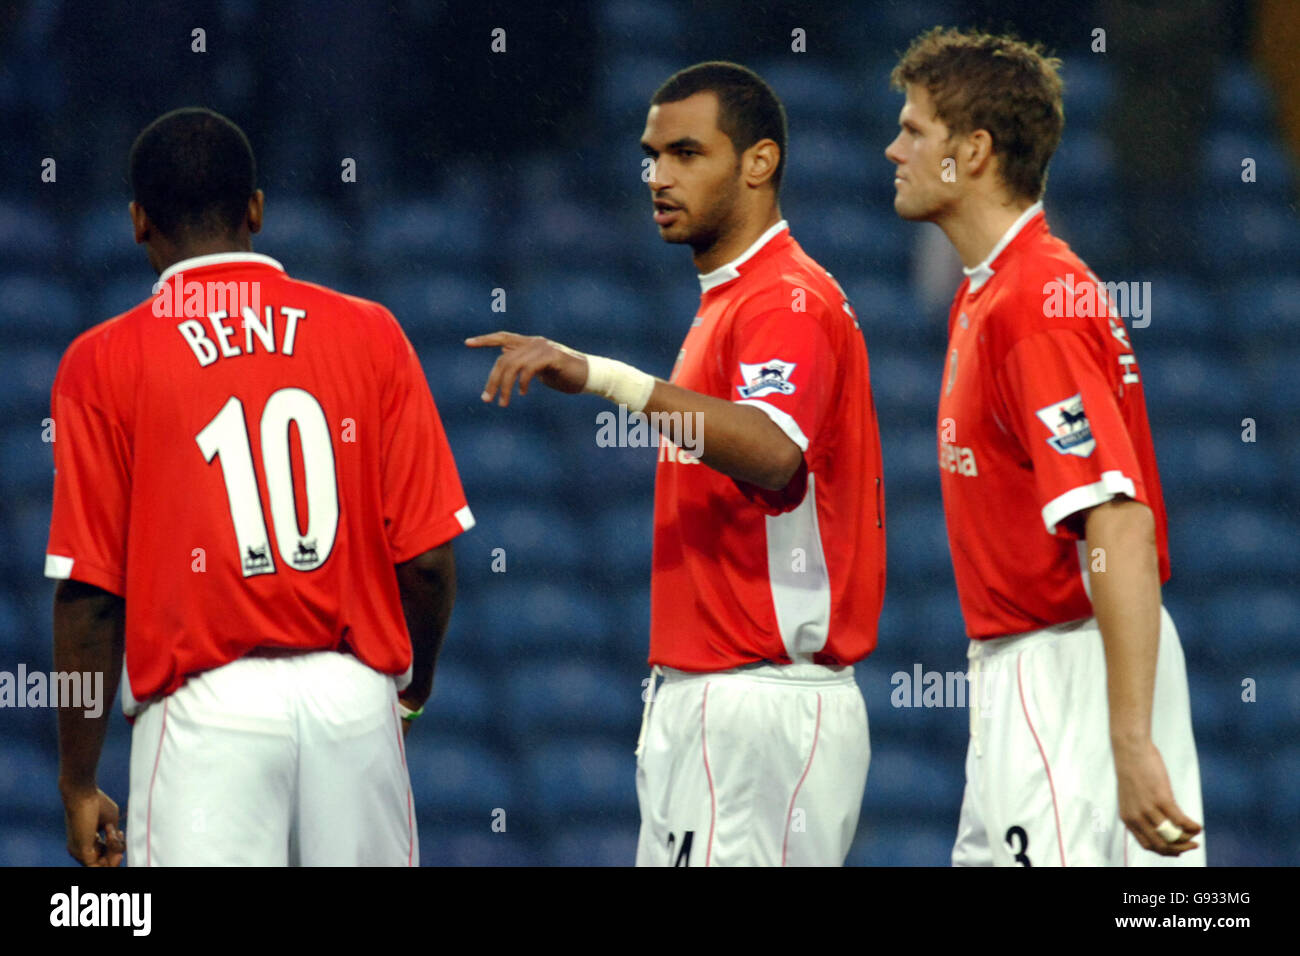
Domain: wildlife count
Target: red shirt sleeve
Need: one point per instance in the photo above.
(92, 477)
(782, 362)
(424, 504)
(1063, 409)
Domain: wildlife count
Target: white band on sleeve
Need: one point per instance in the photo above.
(619, 382)
(1112, 483)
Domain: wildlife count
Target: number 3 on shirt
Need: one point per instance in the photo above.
(227, 435)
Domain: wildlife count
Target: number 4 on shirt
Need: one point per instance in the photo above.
(227, 435)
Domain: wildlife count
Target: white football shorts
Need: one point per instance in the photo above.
(1040, 775)
(762, 765)
(271, 761)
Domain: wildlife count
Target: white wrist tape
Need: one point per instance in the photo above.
(619, 382)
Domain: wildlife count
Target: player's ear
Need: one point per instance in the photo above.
(760, 161)
(140, 224)
(977, 150)
(256, 207)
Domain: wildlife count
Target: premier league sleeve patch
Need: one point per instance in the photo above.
(764, 378)
(1071, 433)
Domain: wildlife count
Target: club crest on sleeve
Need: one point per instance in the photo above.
(764, 378)
(1071, 433)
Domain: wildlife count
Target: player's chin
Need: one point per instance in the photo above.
(675, 232)
(910, 211)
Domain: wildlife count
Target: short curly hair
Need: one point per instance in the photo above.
(996, 83)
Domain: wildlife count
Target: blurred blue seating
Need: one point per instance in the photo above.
(26, 461)
(1283, 797)
(596, 845)
(844, 237)
(894, 843)
(917, 546)
(29, 533)
(423, 233)
(1264, 235)
(34, 309)
(12, 635)
(624, 534)
(911, 465)
(1267, 309)
(906, 782)
(104, 240)
(811, 92)
(442, 845)
(29, 777)
(462, 698)
(29, 236)
(112, 297)
(502, 458)
(545, 620)
(582, 775)
(1223, 166)
(638, 26)
(1089, 91)
(1229, 791)
(1215, 463)
(583, 307)
(453, 776)
(1180, 309)
(1087, 225)
(626, 83)
(1220, 542)
(24, 846)
(1253, 622)
(300, 231)
(450, 305)
(906, 389)
(1242, 99)
(1191, 386)
(571, 695)
(1083, 166)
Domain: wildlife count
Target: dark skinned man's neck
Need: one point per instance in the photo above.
(168, 254)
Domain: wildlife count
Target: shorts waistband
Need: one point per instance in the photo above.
(996, 645)
(799, 672)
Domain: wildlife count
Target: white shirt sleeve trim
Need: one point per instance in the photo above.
(465, 517)
(1112, 483)
(58, 567)
(783, 421)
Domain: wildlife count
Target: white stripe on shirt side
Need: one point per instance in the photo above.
(801, 599)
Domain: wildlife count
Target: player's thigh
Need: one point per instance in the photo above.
(207, 791)
(820, 814)
(354, 805)
(674, 788)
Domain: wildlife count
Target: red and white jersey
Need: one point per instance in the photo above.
(243, 458)
(1041, 416)
(742, 574)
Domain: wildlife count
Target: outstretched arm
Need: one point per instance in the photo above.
(742, 443)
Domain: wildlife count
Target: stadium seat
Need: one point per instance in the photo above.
(443, 845)
(1214, 463)
(464, 700)
(1227, 789)
(302, 232)
(596, 845)
(906, 781)
(917, 546)
(423, 232)
(104, 241)
(1089, 92)
(1222, 541)
(906, 390)
(911, 466)
(37, 310)
(26, 460)
(114, 296)
(845, 237)
(1267, 309)
(449, 305)
(536, 620)
(583, 307)
(29, 776)
(454, 777)
(504, 458)
(1254, 621)
(1191, 387)
(625, 536)
(582, 775)
(1264, 235)
(27, 846)
(899, 843)
(29, 236)
(1223, 164)
(571, 696)
(1083, 167)
(1242, 100)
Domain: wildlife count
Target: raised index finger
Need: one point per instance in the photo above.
(502, 339)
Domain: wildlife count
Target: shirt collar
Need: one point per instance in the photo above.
(216, 259)
(981, 273)
(726, 273)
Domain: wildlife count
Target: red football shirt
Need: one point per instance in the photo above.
(742, 574)
(1041, 416)
(243, 458)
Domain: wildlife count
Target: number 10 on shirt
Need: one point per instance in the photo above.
(227, 435)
